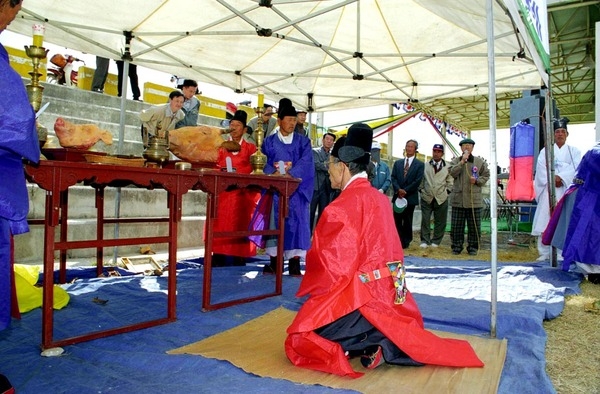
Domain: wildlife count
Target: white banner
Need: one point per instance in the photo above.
(531, 16)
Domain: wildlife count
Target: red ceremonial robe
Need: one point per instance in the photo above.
(236, 206)
(356, 234)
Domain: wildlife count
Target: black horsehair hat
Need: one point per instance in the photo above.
(336, 147)
(285, 108)
(357, 148)
(241, 116)
(561, 123)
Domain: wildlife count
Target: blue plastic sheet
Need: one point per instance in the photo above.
(453, 296)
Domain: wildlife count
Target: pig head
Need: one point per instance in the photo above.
(80, 136)
(196, 143)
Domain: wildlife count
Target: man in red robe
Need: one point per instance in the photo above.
(357, 306)
(235, 206)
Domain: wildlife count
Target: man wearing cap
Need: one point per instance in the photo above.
(566, 160)
(381, 172)
(322, 191)
(407, 174)
(235, 207)
(470, 174)
(300, 120)
(290, 154)
(354, 308)
(268, 122)
(434, 190)
(191, 104)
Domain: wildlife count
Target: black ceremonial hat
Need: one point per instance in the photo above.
(561, 123)
(336, 147)
(241, 116)
(357, 148)
(285, 108)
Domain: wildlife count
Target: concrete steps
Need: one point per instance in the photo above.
(81, 106)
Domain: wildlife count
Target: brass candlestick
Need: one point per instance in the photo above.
(258, 160)
(34, 89)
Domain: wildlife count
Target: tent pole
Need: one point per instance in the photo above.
(390, 147)
(123, 111)
(549, 142)
(494, 165)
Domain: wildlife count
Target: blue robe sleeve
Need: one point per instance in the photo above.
(304, 167)
(18, 140)
(299, 152)
(17, 118)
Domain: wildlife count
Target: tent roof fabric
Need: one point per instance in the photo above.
(323, 55)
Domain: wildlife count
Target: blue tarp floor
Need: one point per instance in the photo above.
(452, 295)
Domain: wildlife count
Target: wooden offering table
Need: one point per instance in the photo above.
(214, 182)
(56, 177)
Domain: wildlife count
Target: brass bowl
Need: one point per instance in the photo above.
(183, 165)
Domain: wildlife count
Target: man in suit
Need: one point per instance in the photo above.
(406, 178)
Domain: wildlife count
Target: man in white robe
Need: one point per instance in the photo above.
(566, 161)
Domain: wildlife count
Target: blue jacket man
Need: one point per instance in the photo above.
(381, 179)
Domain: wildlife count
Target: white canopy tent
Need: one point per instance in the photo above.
(345, 53)
(323, 55)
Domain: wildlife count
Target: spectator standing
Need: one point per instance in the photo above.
(322, 191)
(470, 174)
(301, 119)
(159, 119)
(407, 174)
(434, 190)
(381, 172)
(191, 104)
(295, 152)
(269, 122)
(133, 79)
(19, 140)
(100, 74)
(566, 160)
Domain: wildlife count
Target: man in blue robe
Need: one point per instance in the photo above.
(18, 139)
(295, 153)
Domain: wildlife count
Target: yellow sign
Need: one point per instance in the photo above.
(21, 63)
(384, 151)
(85, 75)
(152, 94)
(158, 94)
